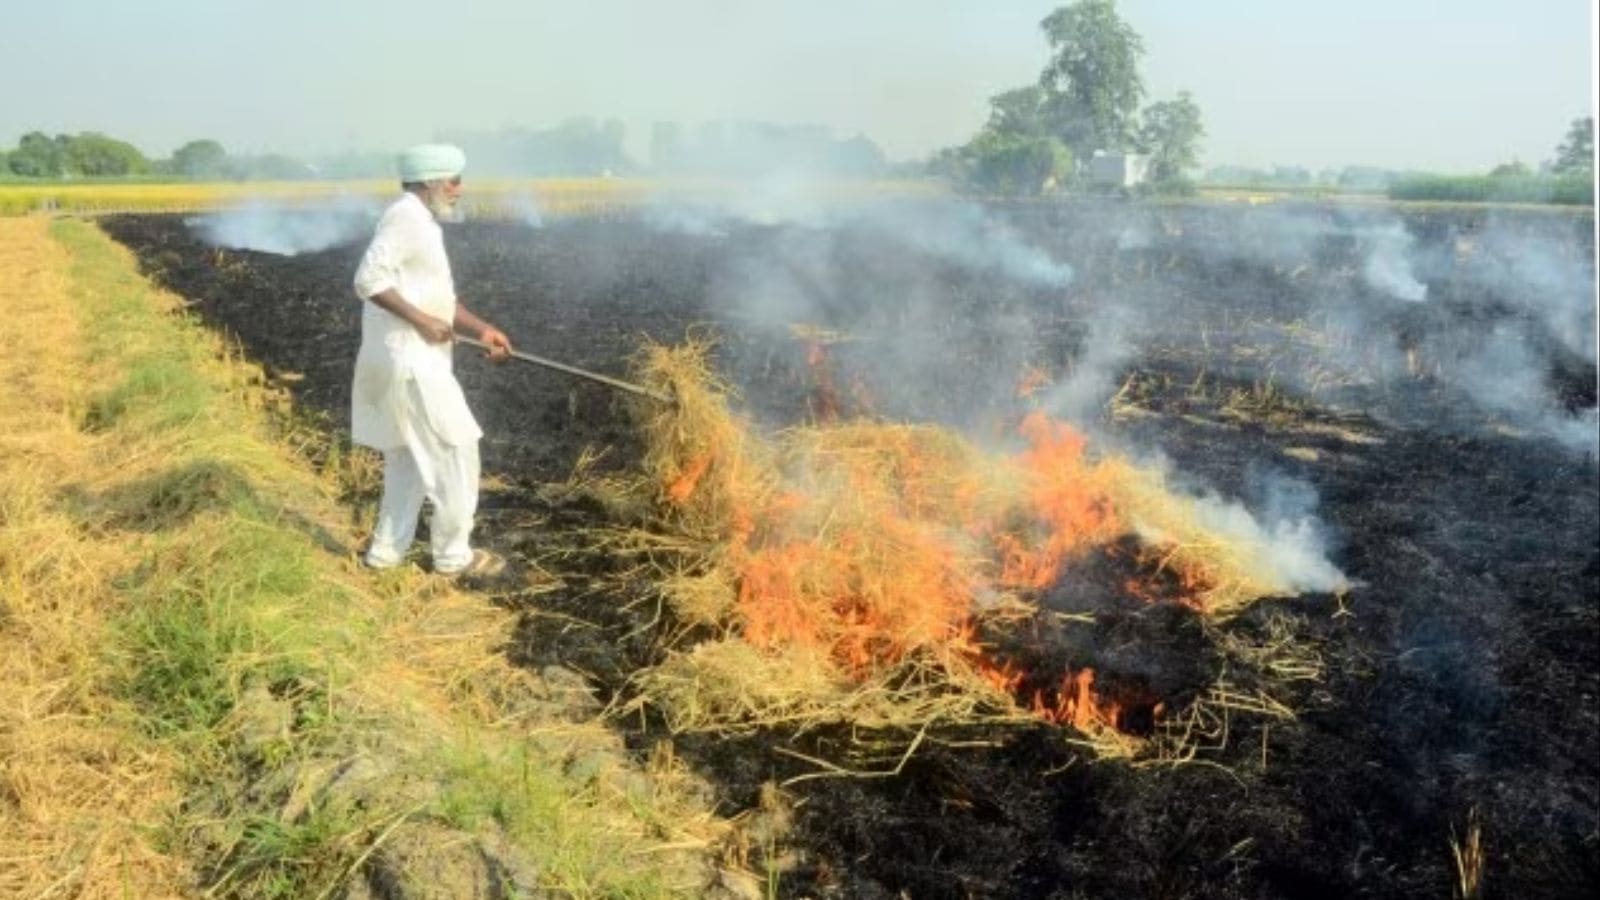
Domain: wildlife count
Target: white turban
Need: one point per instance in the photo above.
(428, 162)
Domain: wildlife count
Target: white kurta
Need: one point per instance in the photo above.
(405, 399)
(407, 254)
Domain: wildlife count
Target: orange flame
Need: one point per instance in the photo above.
(1033, 380)
(1069, 506)
(682, 489)
(825, 401)
(870, 542)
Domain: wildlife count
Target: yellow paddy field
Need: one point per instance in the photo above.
(551, 196)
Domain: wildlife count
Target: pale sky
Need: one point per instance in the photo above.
(1451, 85)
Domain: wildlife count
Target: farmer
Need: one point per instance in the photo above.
(405, 401)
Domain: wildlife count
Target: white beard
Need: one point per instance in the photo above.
(443, 210)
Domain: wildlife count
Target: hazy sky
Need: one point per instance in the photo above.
(1443, 84)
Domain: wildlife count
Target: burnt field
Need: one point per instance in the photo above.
(1413, 393)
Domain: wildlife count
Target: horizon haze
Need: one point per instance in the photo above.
(1424, 84)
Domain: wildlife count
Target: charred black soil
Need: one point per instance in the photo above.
(1459, 677)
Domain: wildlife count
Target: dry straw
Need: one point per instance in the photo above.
(76, 787)
(846, 567)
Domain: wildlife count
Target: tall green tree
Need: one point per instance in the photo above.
(1576, 153)
(1092, 85)
(203, 158)
(1019, 111)
(1170, 134)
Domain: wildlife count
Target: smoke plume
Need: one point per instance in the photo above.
(288, 230)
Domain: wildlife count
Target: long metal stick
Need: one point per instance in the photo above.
(574, 370)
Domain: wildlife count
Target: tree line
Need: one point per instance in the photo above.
(91, 154)
(574, 147)
(1572, 160)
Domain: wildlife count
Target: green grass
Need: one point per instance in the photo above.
(1565, 190)
(222, 594)
(532, 803)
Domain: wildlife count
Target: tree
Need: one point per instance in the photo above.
(1019, 111)
(1014, 154)
(1514, 169)
(1576, 153)
(1091, 84)
(37, 156)
(95, 154)
(1170, 133)
(1015, 164)
(203, 158)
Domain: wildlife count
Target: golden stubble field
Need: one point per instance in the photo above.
(513, 196)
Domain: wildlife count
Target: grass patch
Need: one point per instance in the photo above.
(79, 790)
(1564, 190)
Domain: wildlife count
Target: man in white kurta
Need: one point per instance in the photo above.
(405, 400)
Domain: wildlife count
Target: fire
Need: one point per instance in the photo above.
(867, 544)
(684, 485)
(1034, 379)
(1067, 497)
(825, 397)
(1074, 703)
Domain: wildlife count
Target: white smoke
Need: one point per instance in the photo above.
(1095, 374)
(1506, 377)
(965, 232)
(524, 207)
(947, 227)
(1290, 239)
(1387, 267)
(272, 226)
(1551, 279)
(1285, 536)
(679, 217)
(1134, 237)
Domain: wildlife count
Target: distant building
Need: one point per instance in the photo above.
(1118, 169)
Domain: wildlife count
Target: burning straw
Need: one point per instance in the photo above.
(849, 566)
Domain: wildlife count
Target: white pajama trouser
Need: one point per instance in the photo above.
(427, 469)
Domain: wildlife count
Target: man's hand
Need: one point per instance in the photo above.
(433, 330)
(498, 346)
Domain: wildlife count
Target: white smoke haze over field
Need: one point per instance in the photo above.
(286, 229)
(677, 217)
(791, 197)
(1506, 377)
(1496, 311)
(1387, 267)
(524, 207)
(949, 227)
(968, 234)
(1291, 239)
(1554, 281)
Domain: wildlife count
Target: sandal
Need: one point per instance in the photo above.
(484, 564)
